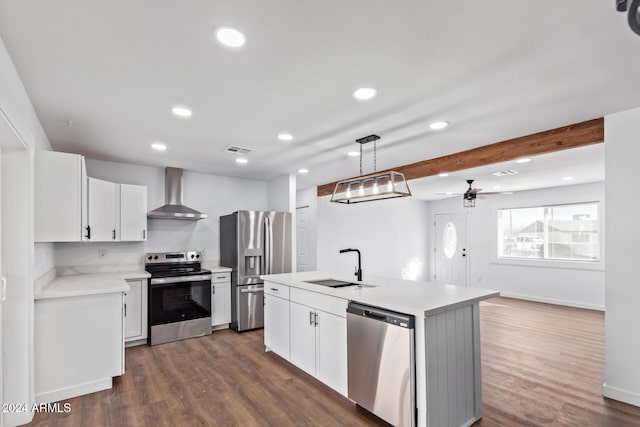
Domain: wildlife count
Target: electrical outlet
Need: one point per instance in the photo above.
(203, 252)
(102, 253)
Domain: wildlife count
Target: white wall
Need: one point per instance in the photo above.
(573, 284)
(17, 342)
(211, 194)
(391, 234)
(308, 200)
(622, 363)
(282, 193)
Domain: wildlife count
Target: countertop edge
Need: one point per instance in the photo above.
(50, 286)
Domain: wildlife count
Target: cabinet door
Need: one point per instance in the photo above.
(303, 337)
(133, 212)
(331, 351)
(133, 310)
(221, 303)
(59, 197)
(276, 325)
(104, 210)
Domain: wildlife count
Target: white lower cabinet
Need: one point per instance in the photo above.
(220, 304)
(276, 325)
(220, 299)
(309, 329)
(135, 311)
(319, 345)
(79, 345)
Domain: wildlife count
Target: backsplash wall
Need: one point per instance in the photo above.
(211, 194)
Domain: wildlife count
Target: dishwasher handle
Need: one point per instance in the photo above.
(377, 316)
(382, 315)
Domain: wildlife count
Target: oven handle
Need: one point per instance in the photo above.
(181, 279)
(251, 291)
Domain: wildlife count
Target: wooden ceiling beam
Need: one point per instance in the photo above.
(564, 138)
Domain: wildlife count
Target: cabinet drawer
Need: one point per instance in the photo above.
(220, 277)
(276, 289)
(333, 305)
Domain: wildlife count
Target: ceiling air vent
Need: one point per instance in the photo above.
(237, 150)
(504, 173)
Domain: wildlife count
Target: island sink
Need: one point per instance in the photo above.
(333, 283)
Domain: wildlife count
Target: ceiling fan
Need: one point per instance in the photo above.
(470, 196)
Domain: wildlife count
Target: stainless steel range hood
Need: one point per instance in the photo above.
(174, 207)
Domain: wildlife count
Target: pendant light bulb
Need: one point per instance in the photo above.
(375, 187)
(361, 190)
(390, 185)
(348, 193)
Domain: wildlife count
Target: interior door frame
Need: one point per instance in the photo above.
(466, 245)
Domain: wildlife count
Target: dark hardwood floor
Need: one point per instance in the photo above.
(541, 365)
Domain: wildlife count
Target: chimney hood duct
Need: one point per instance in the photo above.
(174, 207)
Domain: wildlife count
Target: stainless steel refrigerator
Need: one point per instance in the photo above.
(253, 243)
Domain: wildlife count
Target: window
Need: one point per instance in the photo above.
(563, 232)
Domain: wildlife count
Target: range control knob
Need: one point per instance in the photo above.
(155, 257)
(192, 256)
(198, 256)
(149, 257)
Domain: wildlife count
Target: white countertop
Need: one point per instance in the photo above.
(404, 296)
(214, 267)
(87, 284)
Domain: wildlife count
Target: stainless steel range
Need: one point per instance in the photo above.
(179, 296)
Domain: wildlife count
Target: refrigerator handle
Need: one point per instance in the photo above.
(267, 245)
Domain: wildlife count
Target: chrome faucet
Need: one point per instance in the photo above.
(358, 272)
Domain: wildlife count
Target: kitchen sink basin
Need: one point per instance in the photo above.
(333, 283)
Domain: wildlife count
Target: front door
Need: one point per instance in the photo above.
(450, 249)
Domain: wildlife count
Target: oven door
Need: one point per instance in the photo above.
(174, 299)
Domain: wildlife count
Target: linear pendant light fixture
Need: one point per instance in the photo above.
(371, 187)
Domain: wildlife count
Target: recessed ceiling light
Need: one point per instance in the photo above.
(438, 125)
(443, 174)
(181, 111)
(231, 37)
(303, 171)
(523, 160)
(365, 93)
(448, 193)
(567, 178)
(496, 187)
(158, 146)
(285, 137)
(242, 160)
(353, 153)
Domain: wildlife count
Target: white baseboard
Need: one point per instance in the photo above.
(74, 391)
(576, 304)
(621, 395)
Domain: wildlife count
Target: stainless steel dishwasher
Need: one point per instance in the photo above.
(381, 362)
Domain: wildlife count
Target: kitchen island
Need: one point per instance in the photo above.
(306, 324)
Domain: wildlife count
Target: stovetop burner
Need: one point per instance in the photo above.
(174, 264)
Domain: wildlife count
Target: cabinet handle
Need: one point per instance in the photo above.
(113, 234)
(213, 290)
(221, 277)
(274, 289)
(311, 318)
(88, 236)
(144, 234)
(315, 318)
(125, 309)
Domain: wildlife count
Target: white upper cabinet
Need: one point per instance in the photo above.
(60, 197)
(104, 211)
(133, 212)
(69, 207)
